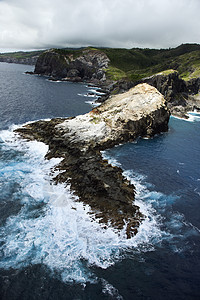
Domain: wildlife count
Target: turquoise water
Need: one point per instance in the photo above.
(50, 246)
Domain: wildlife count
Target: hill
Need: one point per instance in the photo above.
(137, 63)
(132, 64)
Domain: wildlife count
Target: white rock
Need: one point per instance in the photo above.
(110, 120)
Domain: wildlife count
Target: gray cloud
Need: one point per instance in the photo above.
(28, 24)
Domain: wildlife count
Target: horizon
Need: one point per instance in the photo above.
(153, 24)
(90, 46)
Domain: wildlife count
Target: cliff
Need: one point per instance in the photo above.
(181, 96)
(142, 112)
(117, 70)
(82, 65)
(174, 89)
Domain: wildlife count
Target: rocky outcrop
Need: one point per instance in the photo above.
(178, 93)
(169, 85)
(87, 65)
(181, 96)
(193, 86)
(173, 88)
(139, 112)
(142, 112)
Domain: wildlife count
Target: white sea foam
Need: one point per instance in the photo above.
(96, 92)
(109, 290)
(54, 81)
(110, 159)
(54, 229)
(93, 103)
(92, 93)
(193, 116)
(87, 95)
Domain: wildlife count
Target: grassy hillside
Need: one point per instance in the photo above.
(138, 63)
(135, 64)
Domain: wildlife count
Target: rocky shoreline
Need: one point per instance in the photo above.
(140, 112)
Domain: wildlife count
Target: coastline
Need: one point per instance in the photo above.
(53, 244)
(79, 141)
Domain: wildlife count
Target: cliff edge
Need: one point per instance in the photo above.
(82, 65)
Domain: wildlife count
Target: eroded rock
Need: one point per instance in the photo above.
(142, 112)
(88, 65)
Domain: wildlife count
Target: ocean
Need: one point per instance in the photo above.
(50, 245)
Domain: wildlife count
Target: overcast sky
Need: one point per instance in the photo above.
(39, 24)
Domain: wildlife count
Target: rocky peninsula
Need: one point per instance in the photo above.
(140, 112)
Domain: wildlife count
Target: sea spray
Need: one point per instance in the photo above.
(55, 229)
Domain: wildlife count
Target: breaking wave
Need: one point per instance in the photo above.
(53, 228)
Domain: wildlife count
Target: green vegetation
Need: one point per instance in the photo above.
(95, 120)
(166, 72)
(135, 64)
(140, 63)
(189, 65)
(69, 52)
(115, 73)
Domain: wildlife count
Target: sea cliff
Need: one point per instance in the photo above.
(98, 67)
(140, 112)
(84, 65)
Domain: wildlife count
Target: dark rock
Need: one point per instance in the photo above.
(79, 141)
(30, 73)
(169, 85)
(178, 93)
(89, 65)
(193, 86)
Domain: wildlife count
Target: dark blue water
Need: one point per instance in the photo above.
(25, 97)
(50, 247)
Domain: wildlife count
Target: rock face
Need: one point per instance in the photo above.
(141, 111)
(87, 65)
(169, 85)
(177, 92)
(181, 96)
(90, 65)
(193, 86)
